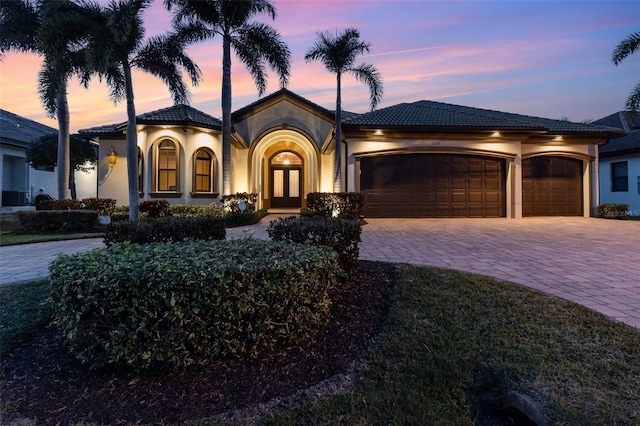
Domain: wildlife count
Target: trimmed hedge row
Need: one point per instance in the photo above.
(165, 229)
(170, 305)
(612, 211)
(57, 220)
(342, 235)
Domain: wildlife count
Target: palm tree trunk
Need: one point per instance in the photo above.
(226, 116)
(132, 145)
(337, 165)
(64, 142)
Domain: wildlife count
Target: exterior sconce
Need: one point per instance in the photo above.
(112, 156)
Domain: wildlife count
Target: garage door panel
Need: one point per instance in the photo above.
(435, 185)
(552, 186)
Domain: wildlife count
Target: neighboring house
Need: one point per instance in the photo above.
(20, 182)
(420, 159)
(620, 162)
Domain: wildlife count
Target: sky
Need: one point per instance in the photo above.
(540, 58)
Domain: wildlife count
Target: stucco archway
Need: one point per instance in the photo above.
(282, 140)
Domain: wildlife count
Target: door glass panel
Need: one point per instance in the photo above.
(278, 183)
(294, 183)
(286, 159)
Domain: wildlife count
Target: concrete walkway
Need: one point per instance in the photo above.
(593, 262)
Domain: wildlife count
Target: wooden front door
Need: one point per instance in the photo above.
(286, 180)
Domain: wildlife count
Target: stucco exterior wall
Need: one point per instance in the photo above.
(630, 197)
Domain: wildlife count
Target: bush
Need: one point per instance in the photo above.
(120, 213)
(166, 229)
(180, 210)
(232, 220)
(231, 203)
(57, 220)
(612, 211)
(342, 235)
(347, 205)
(171, 305)
(154, 208)
(59, 205)
(104, 206)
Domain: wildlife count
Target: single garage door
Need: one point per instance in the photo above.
(433, 185)
(552, 186)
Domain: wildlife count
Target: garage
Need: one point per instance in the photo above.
(552, 186)
(433, 185)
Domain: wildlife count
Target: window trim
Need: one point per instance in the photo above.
(212, 173)
(619, 182)
(156, 167)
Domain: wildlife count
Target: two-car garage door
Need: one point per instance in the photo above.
(433, 185)
(455, 185)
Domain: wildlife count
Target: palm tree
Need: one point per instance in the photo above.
(116, 46)
(625, 48)
(254, 43)
(338, 54)
(54, 29)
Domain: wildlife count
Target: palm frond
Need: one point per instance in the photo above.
(265, 44)
(626, 47)
(633, 101)
(19, 23)
(370, 76)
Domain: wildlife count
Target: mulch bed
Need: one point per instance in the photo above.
(40, 381)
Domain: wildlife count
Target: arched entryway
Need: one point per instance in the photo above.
(284, 167)
(286, 172)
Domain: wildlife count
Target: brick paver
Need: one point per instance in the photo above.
(593, 262)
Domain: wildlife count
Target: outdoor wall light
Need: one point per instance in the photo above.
(495, 135)
(112, 156)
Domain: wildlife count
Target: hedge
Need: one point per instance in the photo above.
(165, 306)
(165, 229)
(347, 205)
(612, 211)
(342, 235)
(57, 220)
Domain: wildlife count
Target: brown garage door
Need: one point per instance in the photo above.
(433, 185)
(552, 186)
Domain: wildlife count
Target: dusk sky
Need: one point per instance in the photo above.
(542, 58)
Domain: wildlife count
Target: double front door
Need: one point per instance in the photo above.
(286, 180)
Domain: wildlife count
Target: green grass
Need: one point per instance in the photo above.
(455, 344)
(452, 346)
(25, 309)
(10, 239)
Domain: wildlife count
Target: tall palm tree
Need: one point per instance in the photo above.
(625, 48)
(255, 44)
(116, 46)
(338, 54)
(55, 30)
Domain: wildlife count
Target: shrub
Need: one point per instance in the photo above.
(59, 205)
(342, 235)
(244, 218)
(231, 203)
(166, 229)
(170, 305)
(104, 206)
(347, 205)
(180, 210)
(120, 213)
(57, 220)
(154, 208)
(612, 211)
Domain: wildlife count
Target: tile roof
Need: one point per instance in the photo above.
(19, 131)
(437, 114)
(177, 114)
(236, 115)
(628, 121)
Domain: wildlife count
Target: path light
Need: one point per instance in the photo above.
(112, 156)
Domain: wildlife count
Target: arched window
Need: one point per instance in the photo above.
(203, 171)
(167, 167)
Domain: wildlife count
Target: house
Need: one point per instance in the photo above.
(20, 182)
(620, 162)
(420, 159)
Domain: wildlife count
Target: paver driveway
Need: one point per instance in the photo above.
(593, 262)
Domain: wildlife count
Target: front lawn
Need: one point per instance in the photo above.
(449, 350)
